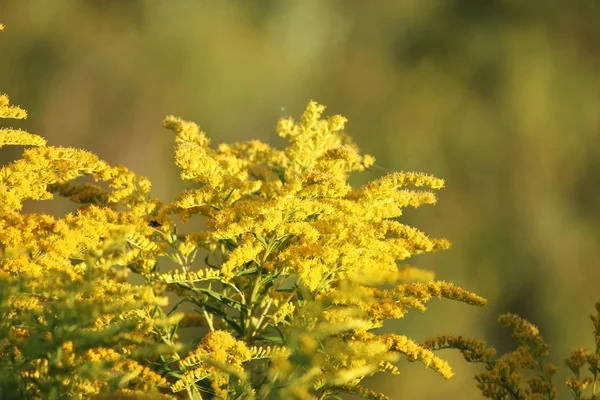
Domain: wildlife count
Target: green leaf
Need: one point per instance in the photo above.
(261, 239)
(229, 195)
(247, 271)
(221, 298)
(271, 339)
(176, 306)
(225, 317)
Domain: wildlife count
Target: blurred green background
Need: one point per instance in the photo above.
(500, 97)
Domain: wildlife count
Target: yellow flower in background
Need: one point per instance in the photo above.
(8, 111)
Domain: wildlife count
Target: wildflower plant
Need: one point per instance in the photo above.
(288, 291)
(285, 286)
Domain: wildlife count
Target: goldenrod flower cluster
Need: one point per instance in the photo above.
(503, 378)
(296, 257)
(64, 297)
(580, 358)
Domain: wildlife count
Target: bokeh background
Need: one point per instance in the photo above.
(500, 97)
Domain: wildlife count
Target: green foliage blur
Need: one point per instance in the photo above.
(500, 97)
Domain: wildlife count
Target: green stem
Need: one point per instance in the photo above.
(262, 316)
(250, 306)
